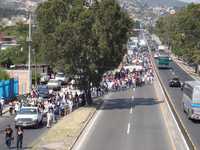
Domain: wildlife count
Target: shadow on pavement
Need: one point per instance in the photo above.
(128, 103)
(145, 101)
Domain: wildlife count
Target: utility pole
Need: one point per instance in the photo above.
(29, 55)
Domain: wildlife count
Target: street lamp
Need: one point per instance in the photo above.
(29, 40)
(35, 69)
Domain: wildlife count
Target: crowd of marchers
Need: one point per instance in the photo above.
(135, 71)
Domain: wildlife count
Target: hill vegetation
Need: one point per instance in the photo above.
(182, 32)
(167, 3)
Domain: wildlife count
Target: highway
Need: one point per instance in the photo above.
(29, 134)
(193, 127)
(127, 120)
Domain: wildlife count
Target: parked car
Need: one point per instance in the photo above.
(175, 82)
(29, 117)
(43, 91)
(54, 84)
(44, 78)
(60, 76)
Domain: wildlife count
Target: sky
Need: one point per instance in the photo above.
(189, 1)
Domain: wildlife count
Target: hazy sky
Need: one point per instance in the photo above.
(195, 1)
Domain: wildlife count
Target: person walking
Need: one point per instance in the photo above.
(1, 109)
(11, 108)
(49, 118)
(20, 133)
(8, 136)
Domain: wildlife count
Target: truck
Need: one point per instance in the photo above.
(29, 116)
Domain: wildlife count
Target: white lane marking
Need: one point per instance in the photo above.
(133, 97)
(131, 110)
(134, 89)
(88, 130)
(128, 128)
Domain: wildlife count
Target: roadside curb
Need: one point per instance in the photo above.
(191, 74)
(85, 125)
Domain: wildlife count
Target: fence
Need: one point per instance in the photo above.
(9, 89)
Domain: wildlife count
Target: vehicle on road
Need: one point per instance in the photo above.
(175, 82)
(43, 91)
(164, 61)
(191, 99)
(29, 117)
(156, 55)
(44, 78)
(60, 76)
(54, 84)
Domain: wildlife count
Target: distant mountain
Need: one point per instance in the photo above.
(191, 1)
(10, 8)
(165, 3)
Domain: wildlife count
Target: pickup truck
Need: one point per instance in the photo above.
(29, 117)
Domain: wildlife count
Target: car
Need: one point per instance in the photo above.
(43, 91)
(175, 82)
(29, 117)
(54, 84)
(156, 55)
(44, 78)
(60, 76)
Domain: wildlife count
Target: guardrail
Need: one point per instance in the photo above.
(176, 115)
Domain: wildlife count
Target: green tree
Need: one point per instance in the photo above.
(3, 75)
(182, 31)
(84, 42)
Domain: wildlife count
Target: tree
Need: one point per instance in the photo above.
(84, 42)
(3, 75)
(182, 31)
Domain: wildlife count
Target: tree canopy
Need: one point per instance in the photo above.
(3, 75)
(82, 41)
(182, 32)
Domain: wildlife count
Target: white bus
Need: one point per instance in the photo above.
(191, 99)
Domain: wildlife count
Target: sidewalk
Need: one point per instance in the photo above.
(186, 68)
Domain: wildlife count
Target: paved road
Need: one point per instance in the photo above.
(176, 95)
(124, 123)
(29, 134)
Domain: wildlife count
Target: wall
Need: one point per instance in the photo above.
(9, 89)
(22, 77)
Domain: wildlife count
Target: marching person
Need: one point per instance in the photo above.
(8, 136)
(20, 133)
(1, 109)
(49, 117)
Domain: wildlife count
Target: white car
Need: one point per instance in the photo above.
(156, 55)
(44, 78)
(29, 116)
(54, 84)
(61, 77)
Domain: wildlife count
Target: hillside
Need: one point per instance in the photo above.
(165, 3)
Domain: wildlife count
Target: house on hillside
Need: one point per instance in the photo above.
(7, 41)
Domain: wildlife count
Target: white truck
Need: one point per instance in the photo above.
(29, 117)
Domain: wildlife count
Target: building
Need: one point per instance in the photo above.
(7, 41)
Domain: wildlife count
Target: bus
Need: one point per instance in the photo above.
(164, 61)
(191, 99)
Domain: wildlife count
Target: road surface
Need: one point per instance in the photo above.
(29, 134)
(192, 127)
(125, 123)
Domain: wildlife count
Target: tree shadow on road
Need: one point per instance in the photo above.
(128, 103)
